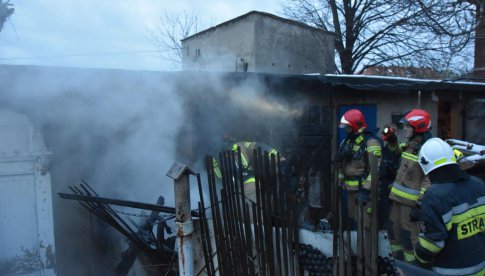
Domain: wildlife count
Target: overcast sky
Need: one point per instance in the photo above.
(103, 33)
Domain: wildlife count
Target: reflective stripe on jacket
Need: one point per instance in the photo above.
(354, 171)
(410, 182)
(453, 228)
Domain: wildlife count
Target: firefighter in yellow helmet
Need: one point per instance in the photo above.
(409, 186)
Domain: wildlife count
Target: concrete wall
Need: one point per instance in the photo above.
(260, 43)
(225, 48)
(292, 49)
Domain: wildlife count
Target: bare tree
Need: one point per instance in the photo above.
(392, 32)
(170, 31)
(6, 11)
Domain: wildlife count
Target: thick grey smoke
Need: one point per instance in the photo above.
(115, 129)
(120, 125)
(122, 130)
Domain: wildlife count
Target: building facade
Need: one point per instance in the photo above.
(260, 42)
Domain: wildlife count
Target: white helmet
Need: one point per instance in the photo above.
(435, 153)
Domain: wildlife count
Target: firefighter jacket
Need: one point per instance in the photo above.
(452, 216)
(353, 160)
(247, 149)
(410, 182)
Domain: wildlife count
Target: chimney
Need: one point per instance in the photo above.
(479, 67)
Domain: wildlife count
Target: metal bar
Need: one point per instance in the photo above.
(231, 215)
(205, 227)
(282, 213)
(239, 230)
(246, 218)
(289, 245)
(360, 240)
(120, 202)
(374, 239)
(276, 220)
(341, 246)
(203, 235)
(257, 238)
(296, 242)
(337, 213)
(268, 213)
(249, 247)
(216, 223)
(349, 251)
(259, 210)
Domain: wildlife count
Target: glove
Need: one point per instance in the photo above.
(363, 196)
(414, 215)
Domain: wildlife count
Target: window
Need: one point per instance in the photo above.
(197, 52)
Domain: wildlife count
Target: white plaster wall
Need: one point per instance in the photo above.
(26, 220)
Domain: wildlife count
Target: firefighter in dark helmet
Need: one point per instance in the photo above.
(452, 215)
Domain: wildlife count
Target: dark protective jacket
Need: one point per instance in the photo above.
(353, 160)
(452, 222)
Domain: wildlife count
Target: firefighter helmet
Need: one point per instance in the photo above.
(435, 153)
(388, 132)
(355, 119)
(418, 119)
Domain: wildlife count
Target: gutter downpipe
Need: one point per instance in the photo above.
(180, 174)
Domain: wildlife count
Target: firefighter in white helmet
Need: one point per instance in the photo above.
(452, 215)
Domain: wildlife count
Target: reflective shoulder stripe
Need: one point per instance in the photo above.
(404, 192)
(273, 151)
(234, 147)
(250, 180)
(463, 212)
(409, 156)
(247, 144)
(431, 246)
(478, 269)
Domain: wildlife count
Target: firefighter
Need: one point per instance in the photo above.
(409, 186)
(247, 149)
(391, 152)
(452, 215)
(353, 156)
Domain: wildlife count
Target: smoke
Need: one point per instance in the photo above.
(116, 130)
(121, 131)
